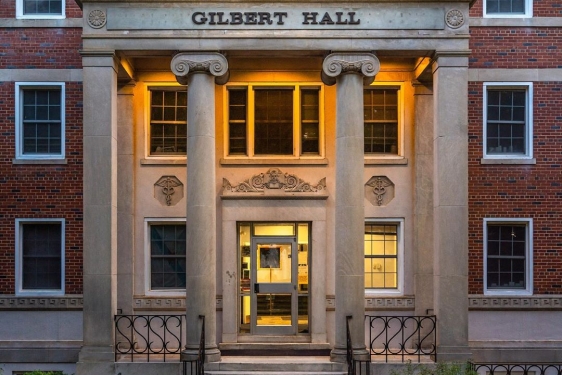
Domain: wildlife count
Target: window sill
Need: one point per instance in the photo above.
(182, 161)
(39, 161)
(507, 293)
(508, 161)
(274, 161)
(386, 161)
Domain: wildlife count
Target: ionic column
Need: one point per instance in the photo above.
(100, 212)
(349, 71)
(200, 71)
(450, 204)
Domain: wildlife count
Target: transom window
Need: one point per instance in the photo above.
(508, 256)
(274, 121)
(40, 121)
(507, 8)
(40, 256)
(383, 253)
(380, 111)
(507, 121)
(167, 256)
(168, 121)
(40, 8)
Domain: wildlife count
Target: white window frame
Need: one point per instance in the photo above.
(147, 108)
(250, 106)
(528, 11)
(19, 258)
(20, 88)
(147, 258)
(528, 86)
(20, 14)
(399, 291)
(528, 257)
(401, 108)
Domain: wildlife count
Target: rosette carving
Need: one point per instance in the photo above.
(186, 63)
(336, 64)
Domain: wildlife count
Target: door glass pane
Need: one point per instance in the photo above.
(282, 229)
(274, 263)
(245, 314)
(303, 314)
(273, 310)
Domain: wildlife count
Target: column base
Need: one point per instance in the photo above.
(95, 360)
(453, 354)
(212, 354)
(339, 355)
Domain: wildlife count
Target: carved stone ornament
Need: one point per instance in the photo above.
(97, 19)
(335, 64)
(454, 19)
(379, 190)
(168, 190)
(274, 183)
(186, 63)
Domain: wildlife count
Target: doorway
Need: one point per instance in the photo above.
(274, 270)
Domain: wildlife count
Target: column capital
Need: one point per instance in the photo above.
(336, 64)
(186, 63)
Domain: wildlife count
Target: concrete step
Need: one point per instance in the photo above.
(272, 365)
(274, 373)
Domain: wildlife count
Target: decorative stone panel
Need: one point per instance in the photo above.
(41, 303)
(514, 303)
(276, 184)
(168, 190)
(379, 190)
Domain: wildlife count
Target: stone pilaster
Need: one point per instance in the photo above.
(450, 202)
(100, 212)
(423, 205)
(200, 71)
(125, 198)
(349, 71)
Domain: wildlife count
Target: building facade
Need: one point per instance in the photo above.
(277, 168)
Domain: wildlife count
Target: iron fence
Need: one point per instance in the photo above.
(408, 337)
(142, 337)
(518, 368)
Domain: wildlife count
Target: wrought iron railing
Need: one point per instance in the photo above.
(354, 366)
(146, 337)
(405, 337)
(197, 366)
(518, 368)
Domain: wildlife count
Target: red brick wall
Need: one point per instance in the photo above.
(40, 48)
(8, 9)
(520, 191)
(41, 191)
(541, 8)
(515, 47)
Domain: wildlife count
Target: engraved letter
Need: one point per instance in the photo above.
(351, 19)
(264, 17)
(212, 18)
(236, 18)
(250, 18)
(221, 21)
(309, 18)
(326, 20)
(199, 18)
(280, 16)
(339, 21)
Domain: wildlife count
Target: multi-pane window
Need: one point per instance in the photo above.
(167, 256)
(380, 112)
(40, 121)
(507, 121)
(270, 121)
(40, 256)
(507, 8)
(381, 255)
(168, 122)
(507, 255)
(40, 8)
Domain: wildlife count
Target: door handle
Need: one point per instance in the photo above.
(256, 288)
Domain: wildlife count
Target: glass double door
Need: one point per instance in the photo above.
(274, 279)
